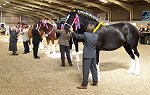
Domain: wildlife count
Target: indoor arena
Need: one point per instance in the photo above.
(74, 47)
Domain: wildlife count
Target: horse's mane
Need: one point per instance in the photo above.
(87, 14)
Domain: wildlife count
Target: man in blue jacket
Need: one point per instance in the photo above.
(89, 55)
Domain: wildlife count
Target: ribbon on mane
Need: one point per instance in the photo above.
(19, 27)
(76, 23)
(44, 21)
(62, 27)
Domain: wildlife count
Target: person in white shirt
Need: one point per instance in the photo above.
(25, 39)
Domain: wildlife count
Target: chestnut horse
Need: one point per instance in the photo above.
(50, 35)
(46, 28)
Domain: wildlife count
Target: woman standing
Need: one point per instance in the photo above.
(25, 39)
(13, 41)
(64, 46)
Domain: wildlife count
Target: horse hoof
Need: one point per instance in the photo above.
(130, 71)
(47, 52)
(90, 78)
(78, 61)
(54, 54)
(136, 73)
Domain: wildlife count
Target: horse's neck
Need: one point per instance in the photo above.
(95, 23)
(30, 31)
(41, 32)
(51, 28)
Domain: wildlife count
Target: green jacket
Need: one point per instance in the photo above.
(64, 37)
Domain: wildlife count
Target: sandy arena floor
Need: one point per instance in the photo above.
(23, 75)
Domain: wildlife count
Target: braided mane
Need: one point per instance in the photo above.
(87, 15)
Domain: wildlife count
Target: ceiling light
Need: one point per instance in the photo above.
(0, 6)
(88, 5)
(70, 6)
(4, 4)
(7, 2)
(104, 1)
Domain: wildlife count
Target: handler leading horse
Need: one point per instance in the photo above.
(47, 28)
(110, 37)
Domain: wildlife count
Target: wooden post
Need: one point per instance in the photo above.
(20, 18)
(1, 16)
(131, 14)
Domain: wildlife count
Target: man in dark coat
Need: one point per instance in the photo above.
(36, 38)
(89, 55)
(13, 41)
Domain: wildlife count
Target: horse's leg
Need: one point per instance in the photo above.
(41, 45)
(29, 40)
(132, 64)
(98, 73)
(48, 47)
(70, 44)
(53, 46)
(77, 51)
(137, 65)
(30, 46)
(97, 55)
(98, 62)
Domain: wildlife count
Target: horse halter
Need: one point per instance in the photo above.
(49, 32)
(68, 23)
(39, 25)
(19, 27)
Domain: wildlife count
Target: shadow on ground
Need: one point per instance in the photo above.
(107, 66)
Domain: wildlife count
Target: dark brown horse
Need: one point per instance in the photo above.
(110, 37)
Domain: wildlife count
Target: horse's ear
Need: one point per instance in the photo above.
(75, 10)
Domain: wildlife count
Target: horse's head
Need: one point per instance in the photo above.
(60, 23)
(50, 28)
(79, 20)
(44, 26)
(41, 25)
(21, 25)
(24, 24)
(69, 21)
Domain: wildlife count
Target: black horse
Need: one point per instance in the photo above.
(110, 37)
